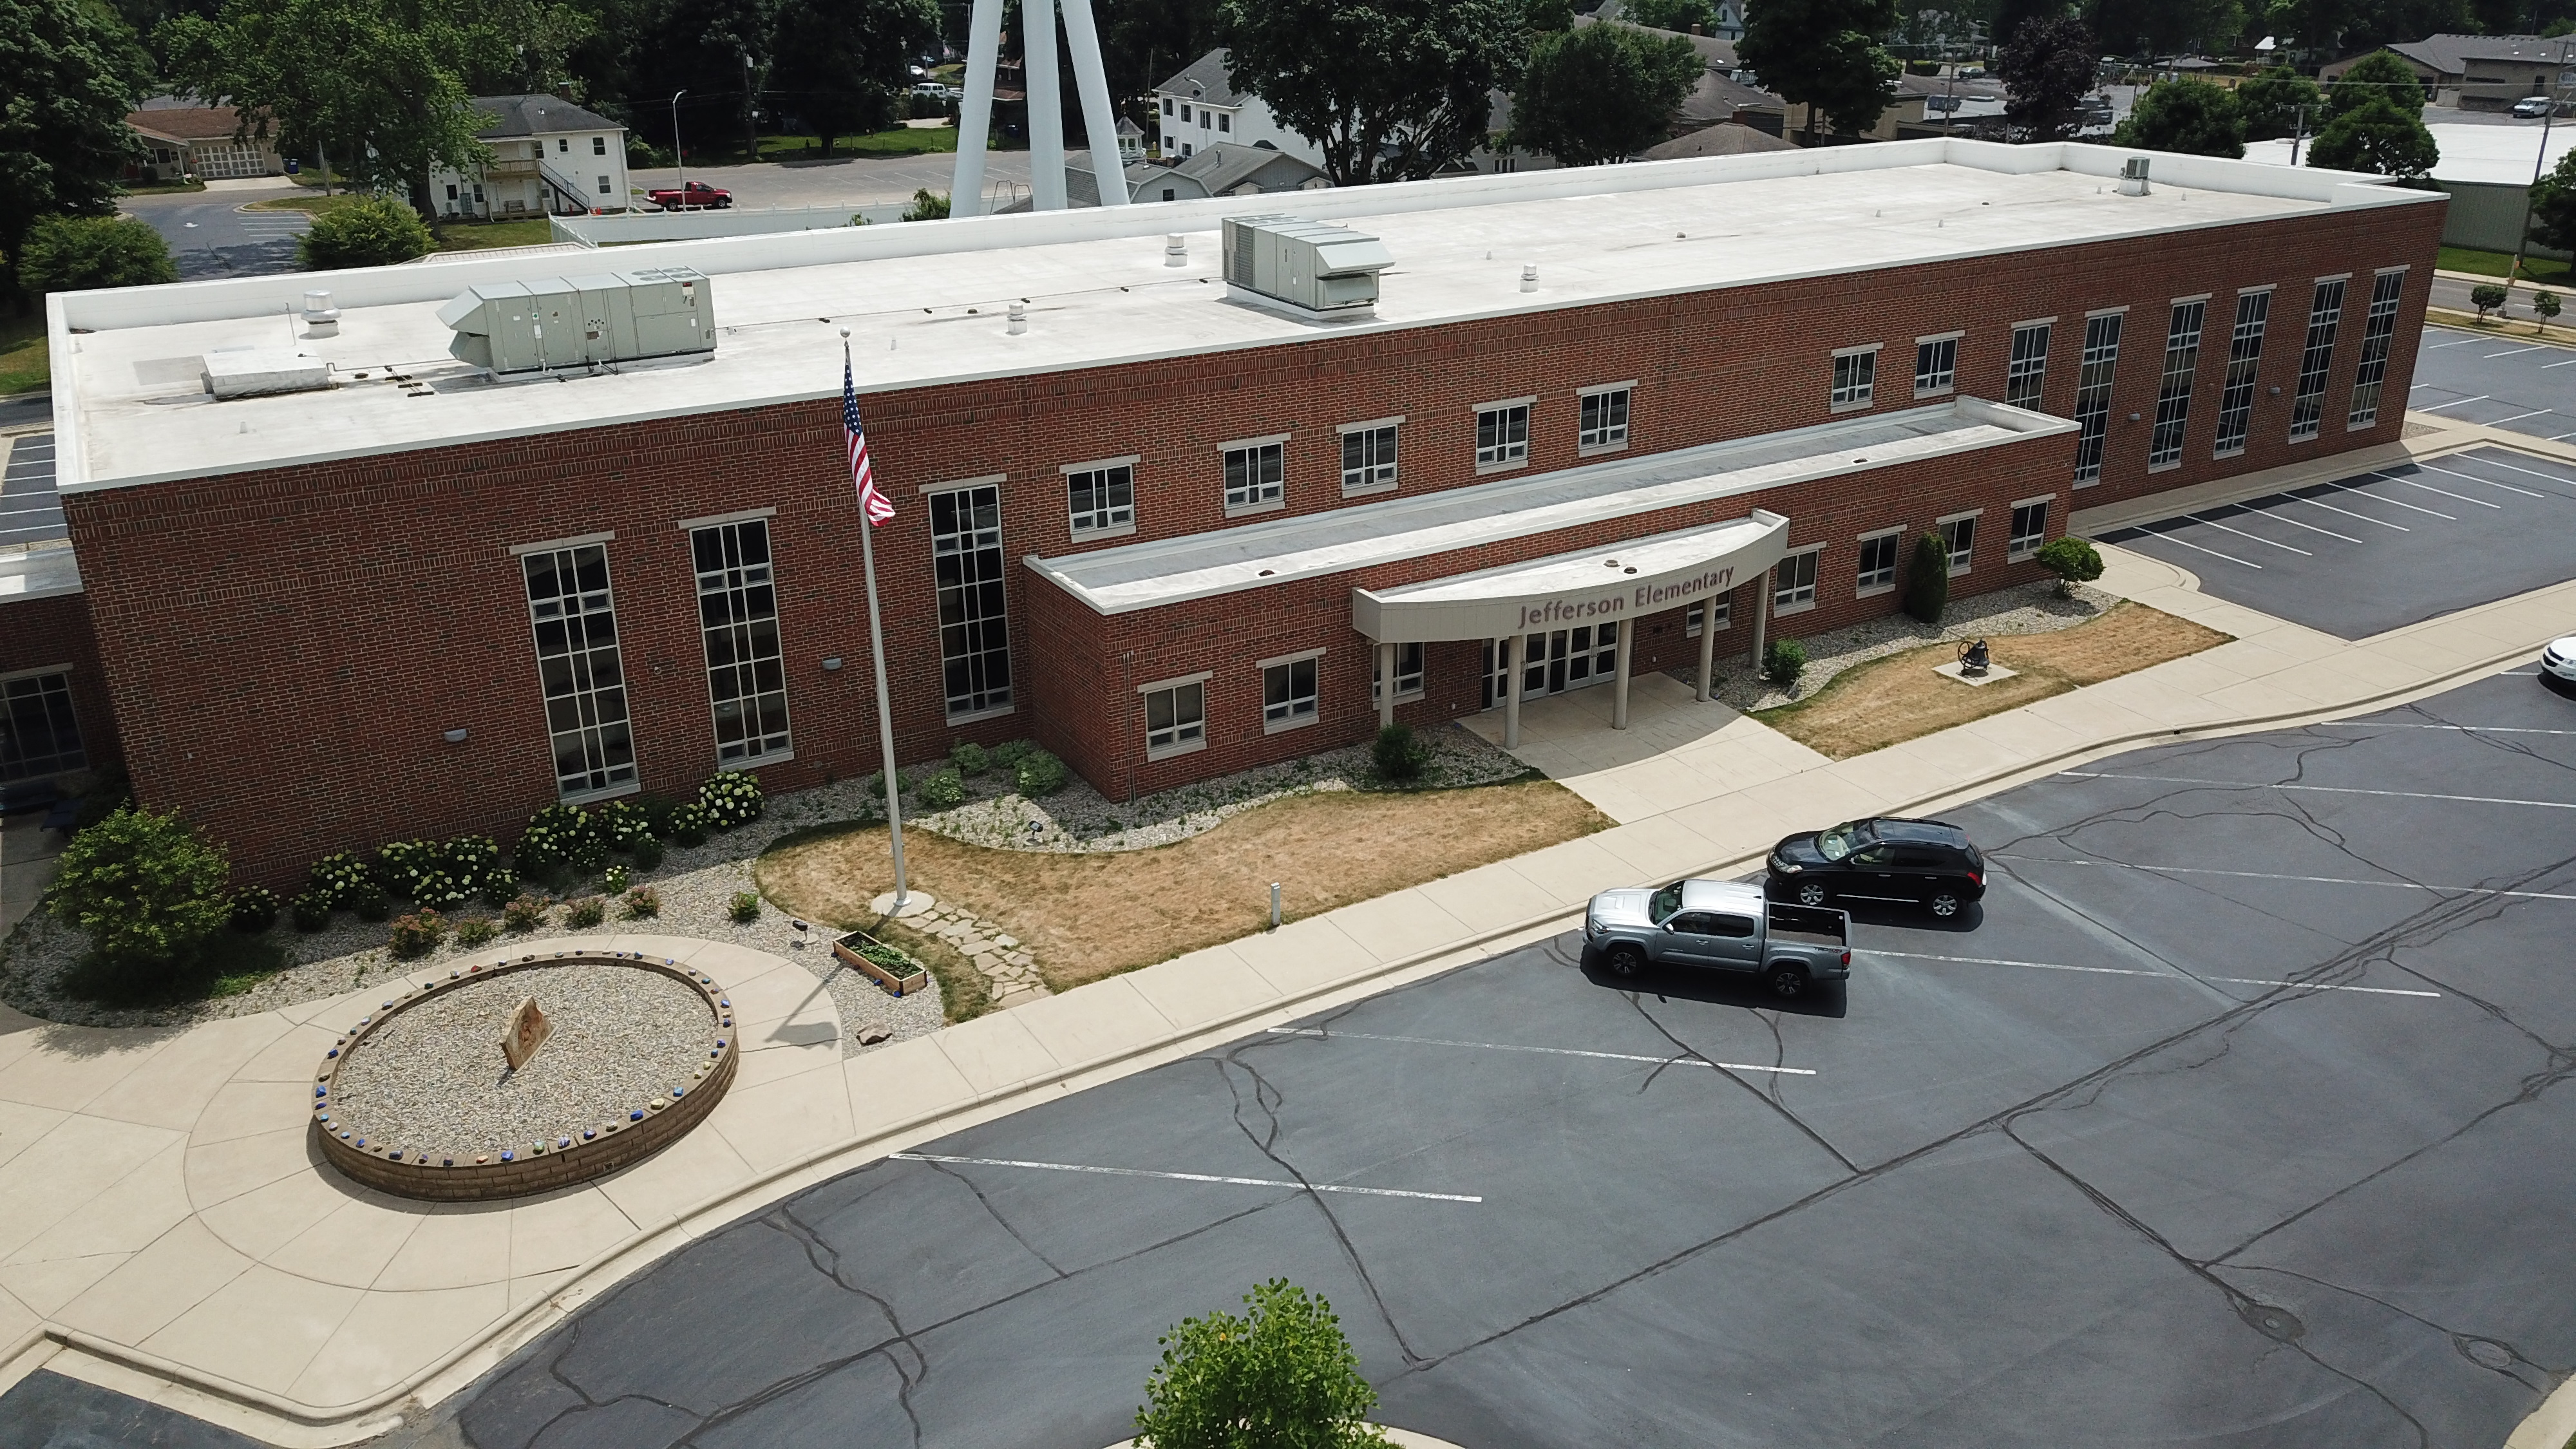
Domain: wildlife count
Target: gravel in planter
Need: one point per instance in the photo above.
(2024, 609)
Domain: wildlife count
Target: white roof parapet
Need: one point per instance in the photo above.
(1620, 581)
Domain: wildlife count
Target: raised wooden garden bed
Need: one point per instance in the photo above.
(892, 969)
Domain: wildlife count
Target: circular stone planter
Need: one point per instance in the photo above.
(610, 1133)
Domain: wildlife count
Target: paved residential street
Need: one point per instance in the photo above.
(212, 235)
(850, 180)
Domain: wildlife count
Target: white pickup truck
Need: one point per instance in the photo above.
(1722, 926)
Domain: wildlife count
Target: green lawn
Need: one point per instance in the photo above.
(2497, 264)
(475, 236)
(164, 188)
(901, 141)
(24, 365)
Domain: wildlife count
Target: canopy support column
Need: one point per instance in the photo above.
(1707, 649)
(1761, 615)
(1512, 700)
(1385, 685)
(1619, 681)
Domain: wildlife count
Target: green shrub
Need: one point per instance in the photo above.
(1784, 660)
(614, 880)
(78, 253)
(969, 758)
(473, 866)
(1399, 753)
(623, 824)
(1283, 1369)
(523, 914)
(643, 903)
(148, 889)
(926, 206)
(399, 867)
(559, 838)
(417, 934)
(376, 232)
(337, 878)
(312, 911)
(744, 908)
(1040, 774)
(500, 884)
(2073, 560)
(2546, 305)
(875, 785)
(254, 909)
(648, 853)
(475, 930)
(588, 911)
(370, 902)
(1008, 754)
(689, 823)
(1927, 579)
(731, 798)
(2487, 297)
(940, 789)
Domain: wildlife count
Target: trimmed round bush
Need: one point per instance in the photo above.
(2073, 560)
(1039, 774)
(731, 798)
(1399, 754)
(624, 824)
(588, 911)
(1008, 754)
(1283, 1366)
(941, 789)
(417, 934)
(80, 253)
(147, 889)
(337, 878)
(643, 903)
(523, 914)
(969, 758)
(402, 866)
(378, 231)
(690, 824)
(559, 838)
(254, 909)
(1784, 660)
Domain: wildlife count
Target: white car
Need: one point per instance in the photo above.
(2530, 107)
(2560, 658)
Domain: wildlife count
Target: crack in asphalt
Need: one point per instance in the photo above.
(1767, 1099)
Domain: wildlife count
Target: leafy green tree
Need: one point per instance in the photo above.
(2047, 68)
(841, 63)
(1824, 55)
(2546, 306)
(1402, 89)
(2380, 79)
(2553, 206)
(2272, 101)
(148, 890)
(2189, 116)
(2165, 27)
(1143, 41)
(2011, 15)
(75, 253)
(375, 232)
(1602, 93)
(1671, 14)
(2378, 137)
(2073, 560)
(2488, 297)
(1282, 1376)
(69, 72)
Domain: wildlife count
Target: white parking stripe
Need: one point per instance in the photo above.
(2454, 342)
(2157, 975)
(2510, 352)
(2196, 548)
(2474, 478)
(1496, 1046)
(2394, 885)
(2517, 417)
(2241, 533)
(2514, 468)
(2445, 492)
(2455, 402)
(2364, 517)
(2322, 789)
(2294, 523)
(1179, 1176)
(2393, 502)
(2571, 362)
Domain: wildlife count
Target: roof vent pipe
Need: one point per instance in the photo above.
(1176, 251)
(2133, 176)
(1529, 276)
(1019, 318)
(321, 319)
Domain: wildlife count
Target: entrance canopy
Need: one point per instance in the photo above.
(1593, 586)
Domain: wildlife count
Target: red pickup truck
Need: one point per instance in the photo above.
(697, 195)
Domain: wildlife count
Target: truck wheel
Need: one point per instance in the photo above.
(1811, 893)
(1624, 960)
(1944, 904)
(1788, 982)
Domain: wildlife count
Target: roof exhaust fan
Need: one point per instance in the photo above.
(2133, 176)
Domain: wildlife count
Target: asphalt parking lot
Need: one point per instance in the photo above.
(2505, 382)
(2375, 551)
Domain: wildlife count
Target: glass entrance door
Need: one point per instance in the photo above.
(1552, 663)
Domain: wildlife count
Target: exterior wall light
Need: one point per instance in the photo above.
(454, 737)
(832, 665)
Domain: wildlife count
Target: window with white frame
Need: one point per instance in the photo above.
(1936, 365)
(1605, 419)
(603, 186)
(2378, 325)
(1793, 581)
(1408, 672)
(599, 145)
(2316, 358)
(1959, 535)
(1254, 474)
(738, 623)
(1695, 618)
(1175, 716)
(1101, 497)
(2029, 529)
(2093, 380)
(2173, 390)
(574, 618)
(974, 620)
(2244, 359)
(1878, 560)
(38, 734)
(1288, 692)
(1855, 377)
(1502, 434)
(1368, 456)
(2027, 371)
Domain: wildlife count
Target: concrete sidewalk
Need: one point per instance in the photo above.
(165, 1230)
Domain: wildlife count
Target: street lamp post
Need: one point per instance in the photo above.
(750, 112)
(678, 157)
(2539, 163)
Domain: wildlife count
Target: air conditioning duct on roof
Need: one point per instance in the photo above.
(553, 322)
(2133, 176)
(1307, 268)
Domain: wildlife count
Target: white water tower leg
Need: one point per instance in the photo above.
(1046, 106)
(975, 110)
(1091, 84)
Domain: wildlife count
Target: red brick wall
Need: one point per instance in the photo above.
(285, 648)
(55, 630)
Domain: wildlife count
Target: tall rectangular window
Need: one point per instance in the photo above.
(1605, 420)
(2028, 369)
(1254, 474)
(2093, 393)
(1936, 366)
(738, 621)
(2173, 393)
(38, 735)
(1878, 561)
(2378, 325)
(1368, 458)
(1101, 500)
(1288, 693)
(2316, 358)
(1959, 535)
(2244, 360)
(575, 620)
(1502, 435)
(1408, 672)
(1855, 378)
(1175, 717)
(1793, 582)
(974, 626)
(2029, 530)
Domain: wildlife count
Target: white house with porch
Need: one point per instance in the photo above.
(549, 157)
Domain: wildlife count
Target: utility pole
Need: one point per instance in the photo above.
(750, 111)
(2539, 163)
(2298, 130)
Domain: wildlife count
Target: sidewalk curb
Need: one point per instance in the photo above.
(2552, 1425)
(347, 1423)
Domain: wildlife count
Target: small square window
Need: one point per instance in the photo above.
(1175, 719)
(1961, 536)
(1253, 477)
(1878, 561)
(1502, 436)
(1288, 694)
(1605, 420)
(599, 145)
(1936, 366)
(603, 186)
(1695, 617)
(1101, 500)
(1368, 459)
(1408, 673)
(1793, 583)
(2029, 529)
(1855, 378)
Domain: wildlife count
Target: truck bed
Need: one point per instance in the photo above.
(1807, 925)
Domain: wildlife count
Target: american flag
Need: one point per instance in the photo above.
(873, 503)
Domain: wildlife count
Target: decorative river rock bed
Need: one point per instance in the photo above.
(419, 1098)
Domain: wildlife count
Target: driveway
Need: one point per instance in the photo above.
(214, 234)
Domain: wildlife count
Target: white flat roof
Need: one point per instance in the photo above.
(2500, 155)
(1256, 555)
(925, 300)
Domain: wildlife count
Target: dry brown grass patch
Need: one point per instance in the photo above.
(1089, 916)
(1898, 698)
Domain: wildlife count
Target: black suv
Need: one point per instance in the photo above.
(1928, 862)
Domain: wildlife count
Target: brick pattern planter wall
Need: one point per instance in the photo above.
(402, 1169)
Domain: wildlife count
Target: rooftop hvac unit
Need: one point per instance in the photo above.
(555, 322)
(1309, 267)
(2133, 176)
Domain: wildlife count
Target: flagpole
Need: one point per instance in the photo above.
(885, 712)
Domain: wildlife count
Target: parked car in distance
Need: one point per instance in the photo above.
(2531, 107)
(697, 195)
(1720, 926)
(2560, 658)
(1923, 862)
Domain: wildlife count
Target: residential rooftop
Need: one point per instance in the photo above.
(925, 302)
